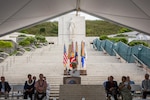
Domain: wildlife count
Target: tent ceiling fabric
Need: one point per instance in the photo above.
(17, 14)
(132, 13)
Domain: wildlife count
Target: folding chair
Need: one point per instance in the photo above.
(17, 91)
(137, 90)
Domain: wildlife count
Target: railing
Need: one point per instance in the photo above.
(94, 46)
(12, 60)
(140, 63)
(5, 64)
(119, 57)
(104, 50)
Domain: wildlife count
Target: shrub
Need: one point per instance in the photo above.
(31, 39)
(121, 35)
(114, 39)
(5, 44)
(104, 37)
(13, 53)
(133, 43)
(27, 49)
(123, 30)
(40, 38)
(22, 35)
(24, 43)
(24, 31)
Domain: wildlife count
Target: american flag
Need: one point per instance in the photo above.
(65, 57)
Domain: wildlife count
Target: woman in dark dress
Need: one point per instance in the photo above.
(29, 87)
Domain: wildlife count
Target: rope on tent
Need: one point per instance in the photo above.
(77, 7)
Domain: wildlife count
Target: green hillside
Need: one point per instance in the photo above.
(45, 29)
(93, 28)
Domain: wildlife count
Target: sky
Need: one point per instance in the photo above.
(87, 16)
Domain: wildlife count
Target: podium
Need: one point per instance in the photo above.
(78, 91)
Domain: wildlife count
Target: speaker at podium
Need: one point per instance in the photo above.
(74, 73)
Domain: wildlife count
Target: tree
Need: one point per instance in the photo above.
(42, 30)
(54, 28)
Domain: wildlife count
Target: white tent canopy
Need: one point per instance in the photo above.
(18, 14)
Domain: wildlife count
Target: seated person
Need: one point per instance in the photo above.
(129, 81)
(125, 88)
(47, 89)
(111, 88)
(40, 87)
(146, 86)
(4, 87)
(34, 78)
(104, 84)
(29, 87)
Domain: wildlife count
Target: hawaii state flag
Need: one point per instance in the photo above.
(72, 55)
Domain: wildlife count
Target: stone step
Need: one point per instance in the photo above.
(48, 60)
(95, 53)
(101, 59)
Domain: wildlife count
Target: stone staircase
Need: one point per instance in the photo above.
(48, 60)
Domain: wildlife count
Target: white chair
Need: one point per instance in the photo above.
(48, 92)
(137, 90)
(17, 91)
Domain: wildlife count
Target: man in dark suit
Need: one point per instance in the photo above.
(4, 87)
(111, 88)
